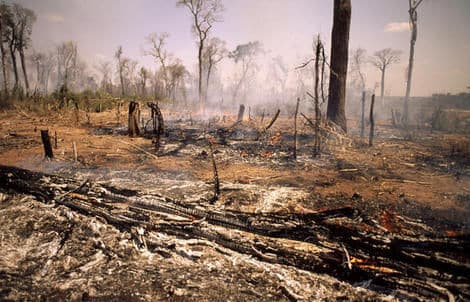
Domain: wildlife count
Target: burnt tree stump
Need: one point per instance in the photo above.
(371, 118)
(133, 121)
(157, 122)
(46, 141)
(241, 112)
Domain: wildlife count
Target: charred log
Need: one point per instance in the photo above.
(419, 267)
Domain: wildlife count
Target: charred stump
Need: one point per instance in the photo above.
(157, 123)
(216, 175)
(133, 122)
(46, 141)
(371, 118)
(241, 112)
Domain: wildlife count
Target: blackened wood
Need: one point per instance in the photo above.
(371, 118)
(339, 63)
(216, 175)
(46, 141)
(363, 106)
(241, 112)
(133, 121)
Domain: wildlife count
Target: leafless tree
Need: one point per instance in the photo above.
(176, 72)
(339, 62)
(122, 65)
(23, 19)
(358, 62)
(13, 48)
(381, 60)
(67, 55)
(5, 19)
(413, 6)
(131, 77)
(280, 73)
(161, 55)
(214, 52)
(143, 78)
(245, 54)
(105, 69)
(204, 13)
(44, 63)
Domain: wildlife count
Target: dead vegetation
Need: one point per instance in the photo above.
(390, 219)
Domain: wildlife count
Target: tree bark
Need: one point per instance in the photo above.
(317, 142)
(199, 57)
(372, 122)
(4, 59)
(23, 66)
(46, 141)
(382, 86)
(363, 103)
(339, 62)
(15, 66)
(414, 34)
(133, 122)
(241, 112)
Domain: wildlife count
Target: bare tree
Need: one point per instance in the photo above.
(381, 60)
(67, 55)
(161, 56)
(13, 47)
(205, 13)
(143, 78)
(105, 69)
(280, 73)
(413, 6)
(212, 55)
(359, 60)
(48, 65)
(5, 19)
(176, 72)
(131, 77)
(339, 62)
(23, 20)
(246, 55)
(122, 64)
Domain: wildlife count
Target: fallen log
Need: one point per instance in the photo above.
(419, 267)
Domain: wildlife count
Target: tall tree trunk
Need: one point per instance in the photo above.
(199, 57)
(363, 103)
(414, 34)
(121, 78)
(15, 67)
(371, 119)
(209, 70)
(4, 60)
(339, 62)
(382, 86)
(23, 66)
(316, 144)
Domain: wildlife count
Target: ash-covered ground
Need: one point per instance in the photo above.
(416, 188)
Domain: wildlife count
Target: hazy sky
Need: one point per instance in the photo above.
(285, 27)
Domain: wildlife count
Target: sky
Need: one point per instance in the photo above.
(285, 27)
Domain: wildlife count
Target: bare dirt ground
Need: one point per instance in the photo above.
(426, 178)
